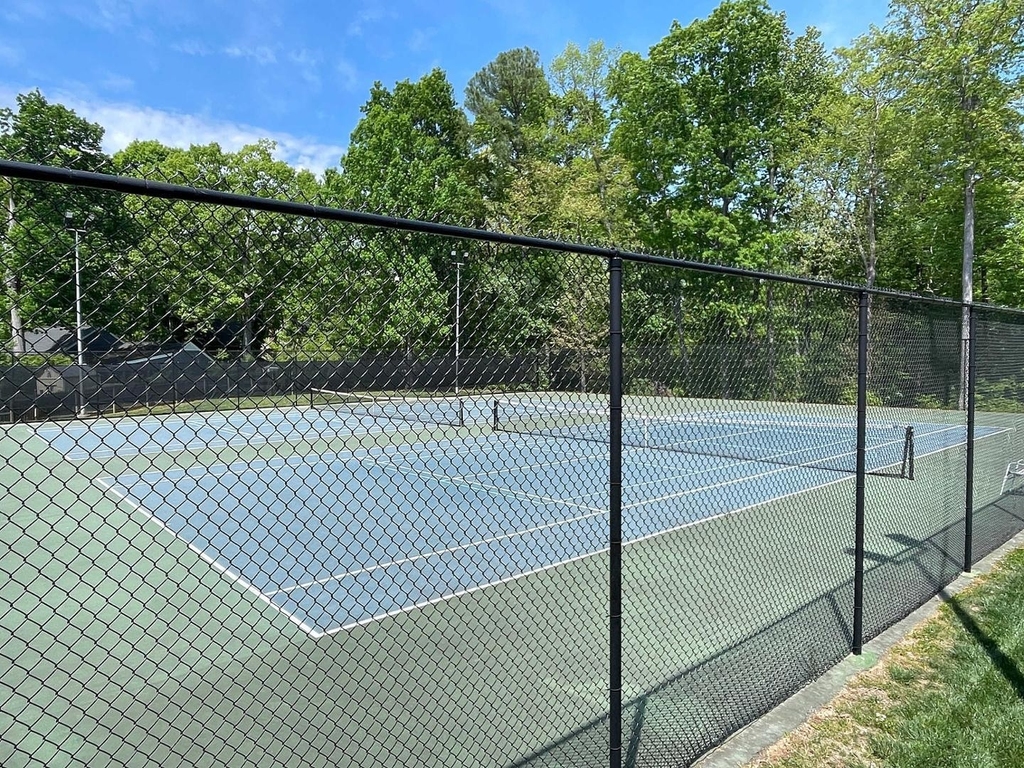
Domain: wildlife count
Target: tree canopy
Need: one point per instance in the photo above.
(893, 161)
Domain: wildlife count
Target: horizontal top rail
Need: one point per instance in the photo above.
(146, 188)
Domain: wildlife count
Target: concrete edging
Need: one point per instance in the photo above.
(744, 745)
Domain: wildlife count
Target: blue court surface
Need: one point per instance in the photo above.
(125, 437)
(339, 539)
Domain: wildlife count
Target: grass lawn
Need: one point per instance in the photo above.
(950, 694)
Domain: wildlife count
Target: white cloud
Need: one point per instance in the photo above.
(115, 13)
(261, 54)
(421, 40)
(191, 48)
(22, 10)
(115, 82)
(125, 123)
(348, 74)
(9, 54)
(308, 63)
(110, 15)
(366, 16)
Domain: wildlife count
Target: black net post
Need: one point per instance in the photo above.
(972, 373)
(862, 421)
(615, 511)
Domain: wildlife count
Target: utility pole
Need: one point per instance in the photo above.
(458, 310)
(69, 220)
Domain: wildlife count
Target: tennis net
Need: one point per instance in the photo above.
(765, 438)
(443, 411)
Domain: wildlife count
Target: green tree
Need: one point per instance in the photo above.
(712, 123)
(38, 265)
(409, 155)
(960, 65)
(577, 190)
(199, 265)
(961, 70)
(854, 165)
(510, 103)
(589, 184)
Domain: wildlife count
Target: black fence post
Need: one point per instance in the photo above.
(972, 375)
(615, 512)
(862, 421)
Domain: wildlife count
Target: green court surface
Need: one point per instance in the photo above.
(126, 646)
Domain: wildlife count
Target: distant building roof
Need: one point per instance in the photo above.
(57, 339)
(101, 346)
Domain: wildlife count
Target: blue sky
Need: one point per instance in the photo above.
(232, 71)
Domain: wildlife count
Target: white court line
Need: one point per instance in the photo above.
(196, 443)
(232, 576)
(603, 550)
(815, 463)
(507, 492)
(110, 485)
(337, 427)
(794, 493)
(111, 424)
(591, 513)
(648, 454)
(437, 553)
(349, 454)
(815, 466)
(713, 486)
(512, 468)
(442, 598)
(459, 593)
(539, 465)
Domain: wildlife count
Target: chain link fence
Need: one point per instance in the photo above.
(289, 485)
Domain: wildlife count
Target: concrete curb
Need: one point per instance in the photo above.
(744, 745)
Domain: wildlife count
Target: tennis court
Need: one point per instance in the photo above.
(346, 492)
(339, 538)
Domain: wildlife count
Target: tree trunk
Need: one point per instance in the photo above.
(602, 196)
(12, 283)
(680, 319)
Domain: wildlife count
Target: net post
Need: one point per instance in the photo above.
(972, 377)
(615, 511)
(494, 414)
(910, 453)
(862, 410)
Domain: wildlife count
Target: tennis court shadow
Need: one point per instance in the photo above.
(720, 693)
(1003, 505)
(726, 690)
(869, 555)
(1003, 664)
(906, 541)
(1006, 666)
(935, 544)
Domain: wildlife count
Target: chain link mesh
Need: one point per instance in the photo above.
(283, 490)
(999, 416)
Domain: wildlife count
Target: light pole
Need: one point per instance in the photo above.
(458, 310)
(69, 222)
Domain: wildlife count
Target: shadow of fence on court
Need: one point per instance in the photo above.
(669, 724)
